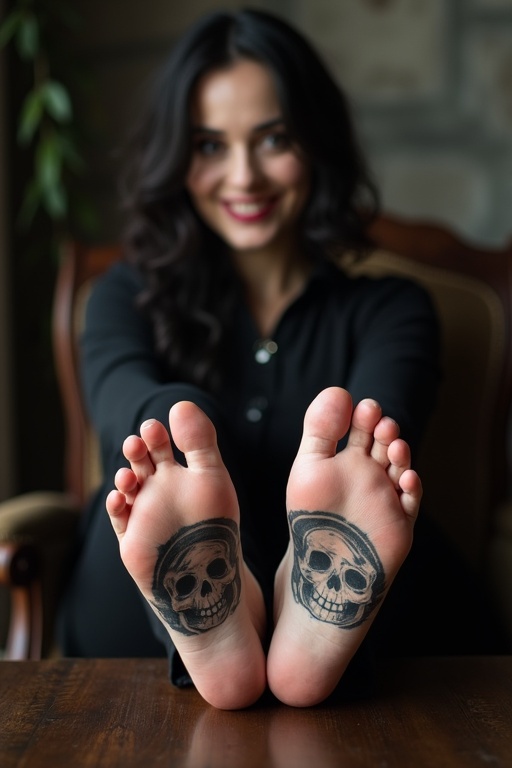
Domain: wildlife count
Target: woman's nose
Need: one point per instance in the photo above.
(243, 168)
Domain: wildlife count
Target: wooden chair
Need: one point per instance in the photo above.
(37, 529)
(463, 462)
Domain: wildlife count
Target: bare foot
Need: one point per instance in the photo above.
(179, 540)
(351, 519)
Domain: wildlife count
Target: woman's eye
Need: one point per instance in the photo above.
(208, 147)
(277, 141)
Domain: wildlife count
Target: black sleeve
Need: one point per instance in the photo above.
(397, 353)
(123, 379)
(120, 372)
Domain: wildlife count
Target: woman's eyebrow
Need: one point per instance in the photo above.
(269, 124)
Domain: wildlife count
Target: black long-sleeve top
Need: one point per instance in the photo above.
(375, 337)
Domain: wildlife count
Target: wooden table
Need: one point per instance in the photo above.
(438, 713)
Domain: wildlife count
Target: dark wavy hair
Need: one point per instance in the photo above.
(191, 285)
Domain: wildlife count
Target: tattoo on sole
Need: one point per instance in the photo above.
(337, 574)
(196, 582)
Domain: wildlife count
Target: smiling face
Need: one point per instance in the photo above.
(247, 180)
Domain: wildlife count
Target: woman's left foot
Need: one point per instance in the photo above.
(351, 516)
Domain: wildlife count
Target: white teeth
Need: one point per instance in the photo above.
(247, 209)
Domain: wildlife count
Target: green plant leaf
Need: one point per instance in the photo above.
(48, 162)
(27, 36)
(9, 27)
(30, 117)
(57, 102)
(46, 119)
(55, 201)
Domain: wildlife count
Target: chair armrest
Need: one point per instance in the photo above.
(31, 516)
(36, 535)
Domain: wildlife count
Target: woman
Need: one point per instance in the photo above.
(264, 561)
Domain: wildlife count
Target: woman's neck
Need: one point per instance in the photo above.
(272, 282)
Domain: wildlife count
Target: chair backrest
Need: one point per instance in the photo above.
(80, 266)
(464, 459)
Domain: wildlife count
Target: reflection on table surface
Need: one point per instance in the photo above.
(124, 712)
(281, 738)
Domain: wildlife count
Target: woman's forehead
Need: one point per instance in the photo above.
(244, 92)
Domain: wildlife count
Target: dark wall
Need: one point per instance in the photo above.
(37, 413)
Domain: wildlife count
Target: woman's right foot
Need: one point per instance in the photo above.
(178, 532)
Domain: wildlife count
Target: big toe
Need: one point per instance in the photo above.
(326, 421)
(194, 435)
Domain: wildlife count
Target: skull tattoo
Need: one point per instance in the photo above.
(337, 575)
(196, 582)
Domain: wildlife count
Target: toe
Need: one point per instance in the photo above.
(126, 483)
(366, 416)
(136, 452)
(118, 511)
(385, 432)
(326, 421)
(412, 492)
(157, 441)
(195, 435)
(400, 460)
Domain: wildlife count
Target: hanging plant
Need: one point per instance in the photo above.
(46, 124)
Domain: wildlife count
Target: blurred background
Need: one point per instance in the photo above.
(431, 87)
